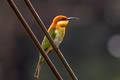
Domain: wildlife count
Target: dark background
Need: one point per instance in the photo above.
(91, 45)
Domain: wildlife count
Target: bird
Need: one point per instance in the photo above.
(57, 31)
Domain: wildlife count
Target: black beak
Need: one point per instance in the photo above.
(73, 18)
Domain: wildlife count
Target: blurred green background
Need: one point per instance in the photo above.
(91, 45)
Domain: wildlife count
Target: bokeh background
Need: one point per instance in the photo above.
(91, 45)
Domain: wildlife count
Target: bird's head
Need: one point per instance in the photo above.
(62, 21)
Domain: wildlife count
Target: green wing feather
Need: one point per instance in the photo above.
(46, 44)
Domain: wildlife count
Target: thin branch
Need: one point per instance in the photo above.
(33, 37)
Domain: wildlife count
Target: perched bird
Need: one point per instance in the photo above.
(57, 32)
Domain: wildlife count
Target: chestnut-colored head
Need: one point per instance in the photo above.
(61, 21)
(60, 18)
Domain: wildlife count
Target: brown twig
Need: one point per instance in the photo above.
(35, 40)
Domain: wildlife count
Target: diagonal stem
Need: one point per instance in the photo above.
(33, 37)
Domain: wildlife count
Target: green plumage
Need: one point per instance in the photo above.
(57, 35)
(46, 44)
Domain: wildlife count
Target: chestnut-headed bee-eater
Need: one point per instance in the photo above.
(57, 32)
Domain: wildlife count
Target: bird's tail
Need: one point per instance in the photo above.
(39, 66)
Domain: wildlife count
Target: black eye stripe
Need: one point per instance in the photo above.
(63, 19)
